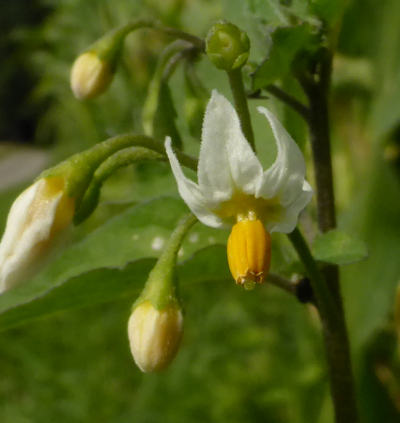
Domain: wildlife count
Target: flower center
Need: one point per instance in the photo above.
(243, 206)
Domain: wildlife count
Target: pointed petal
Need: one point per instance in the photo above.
(190, 192)
(286, 175)
(227, 162)
(289, 220)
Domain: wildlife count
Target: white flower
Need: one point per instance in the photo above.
(231, 181)
(233, 189)
(35, 218)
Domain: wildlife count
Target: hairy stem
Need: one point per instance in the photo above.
(242, 108)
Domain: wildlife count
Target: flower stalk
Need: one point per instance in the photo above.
(241, 105)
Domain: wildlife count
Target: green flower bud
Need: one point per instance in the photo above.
(155, 326)
(227, 46)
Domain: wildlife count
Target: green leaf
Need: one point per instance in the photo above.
(328, 10)
(95, 269)
(165, 117)
(287, 43)
(337, 247)
(109, 284)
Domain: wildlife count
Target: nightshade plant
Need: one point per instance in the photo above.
(232, 187)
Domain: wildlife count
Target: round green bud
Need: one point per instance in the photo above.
(227, 46)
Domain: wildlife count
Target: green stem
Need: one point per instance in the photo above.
(241, 105)
(121, 158)
(176, 33)
(160, 287)
(325, 303)
(316, 86)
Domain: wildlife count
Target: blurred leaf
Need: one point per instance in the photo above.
(328, 10)
(339, 248)
(165, 116)
(277, 12)
(287, 42)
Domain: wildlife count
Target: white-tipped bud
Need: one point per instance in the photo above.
(90, 75)
(35, 219)
(154, 335)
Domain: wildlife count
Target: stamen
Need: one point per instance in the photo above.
(249, 251)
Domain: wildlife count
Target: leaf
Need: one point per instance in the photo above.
(287, 43)
(109, 284)
(337, 247)
(135, 236)
(328, 10)
(165, 117)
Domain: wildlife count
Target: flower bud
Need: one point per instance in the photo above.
(90, 76)
(227, 46)
(35, 219)
(93, 71)
(249, 252)
(154, 335)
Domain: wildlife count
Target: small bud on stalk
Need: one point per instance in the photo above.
(154, 335)
(155, 326)
(90, 76)
(93, 71)
(227, 46)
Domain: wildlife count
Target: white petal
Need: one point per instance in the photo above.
(190, 192)
(286, 175)
(288, 222)
(29, 223)
(227, 162)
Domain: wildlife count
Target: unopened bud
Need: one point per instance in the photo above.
(154, 335)
(90, 75)
(227, 46)
(93, 71)
(35, 219)
(249, 252)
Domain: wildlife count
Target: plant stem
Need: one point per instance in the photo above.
(291, 101)
(316, 86)
(242, 108)
(326, 305)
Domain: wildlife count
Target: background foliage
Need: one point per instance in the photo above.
(246, 356)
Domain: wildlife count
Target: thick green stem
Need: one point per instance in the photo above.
(242, 108)
(316, 87)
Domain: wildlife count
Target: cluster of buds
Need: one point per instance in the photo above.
(232, 190)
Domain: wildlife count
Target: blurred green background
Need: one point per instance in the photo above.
(246, 356)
